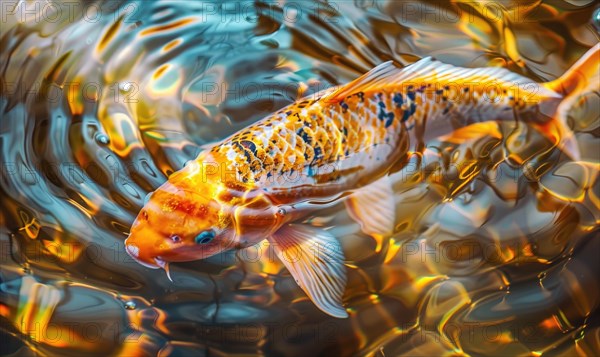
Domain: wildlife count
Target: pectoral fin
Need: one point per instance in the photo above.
(374, 208)
(316, 260)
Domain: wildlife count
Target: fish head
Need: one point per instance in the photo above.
(178, 225)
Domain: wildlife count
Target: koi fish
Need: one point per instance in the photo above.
(339, 145)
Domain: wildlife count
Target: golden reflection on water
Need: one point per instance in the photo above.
(494, 251)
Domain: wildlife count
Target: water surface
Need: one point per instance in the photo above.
(495, 249)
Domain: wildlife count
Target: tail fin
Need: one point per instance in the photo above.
(581, 78)
(584, 75)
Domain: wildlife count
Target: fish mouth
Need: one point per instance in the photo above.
(134, 253)
(161, 263)
(152, 263)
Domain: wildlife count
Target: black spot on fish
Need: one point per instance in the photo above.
(466, 89)
(413, 108)
(289, 112)
(390, 119)
(307, 139)
(382, 105)
(405, 115)
(446, 87)
(439, 91)
(411, 95)
(446, 110)
(344, 106)
(249, 145)
(246, 152)
(318, 153)
(398, 99)
(361, 96)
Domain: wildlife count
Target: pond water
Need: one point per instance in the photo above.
(495, 249)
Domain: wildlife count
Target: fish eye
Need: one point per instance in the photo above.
(205, 237)
(175, 238)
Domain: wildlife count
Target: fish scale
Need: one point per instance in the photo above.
(313, 135)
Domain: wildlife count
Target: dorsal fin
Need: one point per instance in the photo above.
(582, 76)
(382, 71)
(422, 72)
